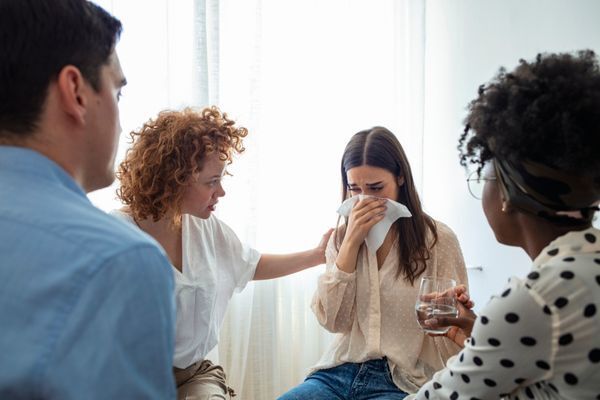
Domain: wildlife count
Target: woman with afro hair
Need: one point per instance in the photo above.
(534, 136)
(170, 185)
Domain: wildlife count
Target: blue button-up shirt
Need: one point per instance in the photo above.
(86, 301)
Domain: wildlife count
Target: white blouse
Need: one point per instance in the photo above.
(373, 312)
(214, 265)
(539, 339)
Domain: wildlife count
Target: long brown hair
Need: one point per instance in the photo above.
(378, 147)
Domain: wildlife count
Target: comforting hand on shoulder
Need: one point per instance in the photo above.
(320, 249)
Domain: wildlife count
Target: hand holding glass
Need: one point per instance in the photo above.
(436, 298)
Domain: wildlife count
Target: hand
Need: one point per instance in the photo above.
(462, 295)
(320, 249)
(459, 291)
(461, 326)
(364, 215)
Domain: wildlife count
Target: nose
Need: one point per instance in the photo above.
(369, 192)
(220, 191)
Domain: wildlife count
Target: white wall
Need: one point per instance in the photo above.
(466, 42)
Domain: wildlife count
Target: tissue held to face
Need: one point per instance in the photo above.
(373, 181)
(366, 213)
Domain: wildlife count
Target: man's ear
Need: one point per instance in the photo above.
(400, 180)
(73, 90)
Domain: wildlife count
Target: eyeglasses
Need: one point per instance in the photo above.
(475, 182)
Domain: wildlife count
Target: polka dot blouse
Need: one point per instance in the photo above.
(538, 339)
(373, 312)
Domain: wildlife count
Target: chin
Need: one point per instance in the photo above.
(505, 239)
(99, 183)
(204, 215)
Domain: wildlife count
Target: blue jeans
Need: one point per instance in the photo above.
(349, 381)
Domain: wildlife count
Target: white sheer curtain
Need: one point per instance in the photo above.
(169, 54)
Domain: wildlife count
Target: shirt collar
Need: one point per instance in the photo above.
(25, 161)
(572, 243)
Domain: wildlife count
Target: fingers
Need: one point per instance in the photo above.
(441, 322)
(368, 207)
(365, 214)
(460, 289)
(465, 321)
(463, 311)
(324, 240)
(326, 236)
(462, 295)
(466, 301)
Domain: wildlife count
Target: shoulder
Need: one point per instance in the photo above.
(122, 214)
(572, 260)
(211, 225)
(445, 235)
(113, 233)
(517, 314)
(212, 232)
(443, 230)
(86, 228)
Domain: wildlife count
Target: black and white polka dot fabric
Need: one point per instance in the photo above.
(538, 339)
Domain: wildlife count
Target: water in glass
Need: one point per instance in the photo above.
(436, 298)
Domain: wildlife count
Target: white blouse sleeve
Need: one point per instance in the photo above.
(242, 259)
(511, 345)
(334, 301)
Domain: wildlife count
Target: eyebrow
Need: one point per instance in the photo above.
(368, 184)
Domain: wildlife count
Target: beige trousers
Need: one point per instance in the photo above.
(202, 381)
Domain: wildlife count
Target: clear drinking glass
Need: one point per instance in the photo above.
(436, 298)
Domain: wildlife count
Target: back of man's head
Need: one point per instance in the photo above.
(37, 39)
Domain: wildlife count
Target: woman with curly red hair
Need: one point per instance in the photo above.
(170, 185)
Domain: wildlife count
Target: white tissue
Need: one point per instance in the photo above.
(377, 234)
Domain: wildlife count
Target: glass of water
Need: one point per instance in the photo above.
(436, 298)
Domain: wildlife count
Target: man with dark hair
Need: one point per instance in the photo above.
(86, 301)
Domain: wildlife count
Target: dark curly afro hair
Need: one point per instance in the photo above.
(547, 111)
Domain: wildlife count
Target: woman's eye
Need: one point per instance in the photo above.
(354, 190)
(376, 189)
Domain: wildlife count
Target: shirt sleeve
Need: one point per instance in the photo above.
(334, 301)
(241, 258)
(510, 347)
(118, 340)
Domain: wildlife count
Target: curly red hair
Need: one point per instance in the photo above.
(166, 151)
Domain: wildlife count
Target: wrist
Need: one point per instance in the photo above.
(353, 242)
(317, 256)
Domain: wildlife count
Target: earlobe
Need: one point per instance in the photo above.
(71, 86)
(400, 180)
